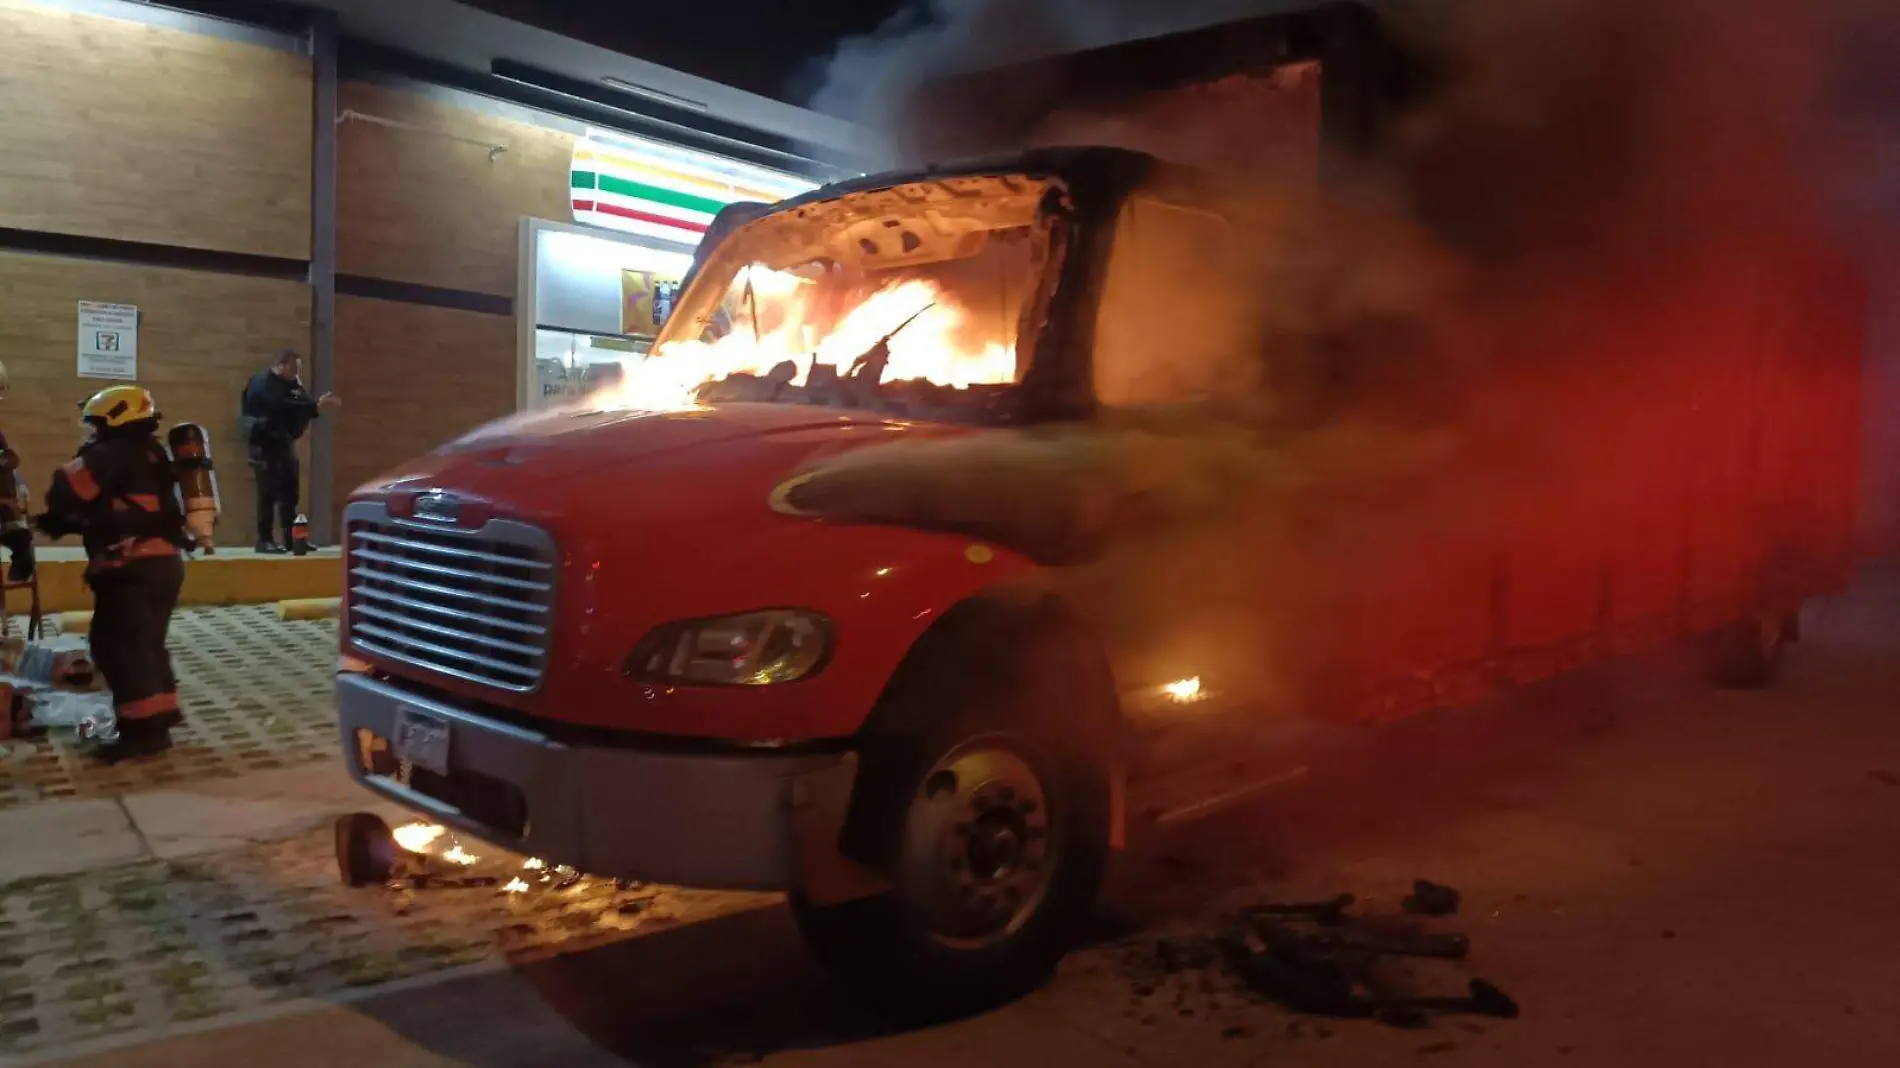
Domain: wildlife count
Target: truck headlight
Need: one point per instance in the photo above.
(754, 649)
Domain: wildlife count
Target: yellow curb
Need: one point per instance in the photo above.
(310, 608)
(239, 577)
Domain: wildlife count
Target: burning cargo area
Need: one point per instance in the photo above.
(1434, 380)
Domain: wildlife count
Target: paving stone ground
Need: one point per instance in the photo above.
(142, 946)
(257, 697)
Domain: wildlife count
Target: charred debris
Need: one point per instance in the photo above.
(1322, 958)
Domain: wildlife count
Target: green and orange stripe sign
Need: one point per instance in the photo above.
(661, 191)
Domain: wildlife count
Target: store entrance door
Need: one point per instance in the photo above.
(590, 300)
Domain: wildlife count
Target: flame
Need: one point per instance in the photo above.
(418, 837)
(458, 855)
(534, 864)
(791, 325)
(515, 886)
(1183, 690)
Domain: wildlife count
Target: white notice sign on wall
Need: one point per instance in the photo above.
(108, 341)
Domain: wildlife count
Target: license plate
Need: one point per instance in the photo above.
(422, 740)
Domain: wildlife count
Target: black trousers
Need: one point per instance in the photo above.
(279, 477)
(131, 612)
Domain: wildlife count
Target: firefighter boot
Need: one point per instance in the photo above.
(139, 737)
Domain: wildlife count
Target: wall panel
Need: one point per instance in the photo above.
(421, 200)
(412, 377)
(118, 129)
(201, 336)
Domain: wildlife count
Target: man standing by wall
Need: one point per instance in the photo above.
(277, 411)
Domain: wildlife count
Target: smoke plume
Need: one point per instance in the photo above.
(1502, 318)
(873, 80)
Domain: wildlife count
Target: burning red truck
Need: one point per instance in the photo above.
(683, 635)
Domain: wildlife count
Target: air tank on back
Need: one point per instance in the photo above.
(197, 480)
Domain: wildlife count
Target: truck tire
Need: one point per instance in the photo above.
(1744, 654)
(990, 815)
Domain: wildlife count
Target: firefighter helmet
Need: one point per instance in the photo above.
(118, 406)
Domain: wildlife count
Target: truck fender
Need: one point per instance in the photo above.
(995, 618)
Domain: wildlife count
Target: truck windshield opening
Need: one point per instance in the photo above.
(909, 300)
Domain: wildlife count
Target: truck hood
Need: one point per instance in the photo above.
(666, 517)
(572, 468)
(552, 440)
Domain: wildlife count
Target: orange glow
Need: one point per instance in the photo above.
(417, 837)
(1184, 690)
(939, 345)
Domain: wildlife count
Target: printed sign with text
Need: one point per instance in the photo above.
(108, 341)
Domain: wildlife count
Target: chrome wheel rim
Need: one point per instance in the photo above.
(979, 844)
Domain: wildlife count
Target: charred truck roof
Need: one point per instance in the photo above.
(1328, 77)
(986, 122)
(1364, 79)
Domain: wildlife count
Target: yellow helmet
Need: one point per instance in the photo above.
(117, 406)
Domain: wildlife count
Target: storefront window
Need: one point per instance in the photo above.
(603, 288)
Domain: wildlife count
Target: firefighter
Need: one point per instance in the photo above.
(14, 533)
(119, 494)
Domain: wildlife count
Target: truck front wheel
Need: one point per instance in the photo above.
(993, 829)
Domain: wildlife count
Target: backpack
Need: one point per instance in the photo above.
(247, 424)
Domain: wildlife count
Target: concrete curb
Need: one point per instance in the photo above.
(172, 823)
(233, 576)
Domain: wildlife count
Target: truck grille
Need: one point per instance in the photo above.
(477, 606)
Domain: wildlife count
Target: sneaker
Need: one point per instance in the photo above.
(270, 548)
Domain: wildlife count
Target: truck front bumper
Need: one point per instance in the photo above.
(715, 820)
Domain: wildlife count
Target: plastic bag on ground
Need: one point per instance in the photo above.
(91, 714)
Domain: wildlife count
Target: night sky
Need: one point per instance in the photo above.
(770, 47)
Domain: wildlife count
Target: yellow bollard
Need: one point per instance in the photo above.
(310, 608)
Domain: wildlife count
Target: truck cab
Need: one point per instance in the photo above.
(608, 635)
(695, 631)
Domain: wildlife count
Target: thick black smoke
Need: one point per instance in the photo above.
(872, 80)
(1499, 317)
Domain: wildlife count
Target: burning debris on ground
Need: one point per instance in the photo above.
(422, 856)
(154, 944)
(1319, 958)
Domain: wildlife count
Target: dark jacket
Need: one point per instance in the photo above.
(120, 495)
(277, 410)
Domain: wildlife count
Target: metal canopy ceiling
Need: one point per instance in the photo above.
(481, 43)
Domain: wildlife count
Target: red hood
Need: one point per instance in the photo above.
(532, 462)
(557, 440)
(665, 517)
(662, 517)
